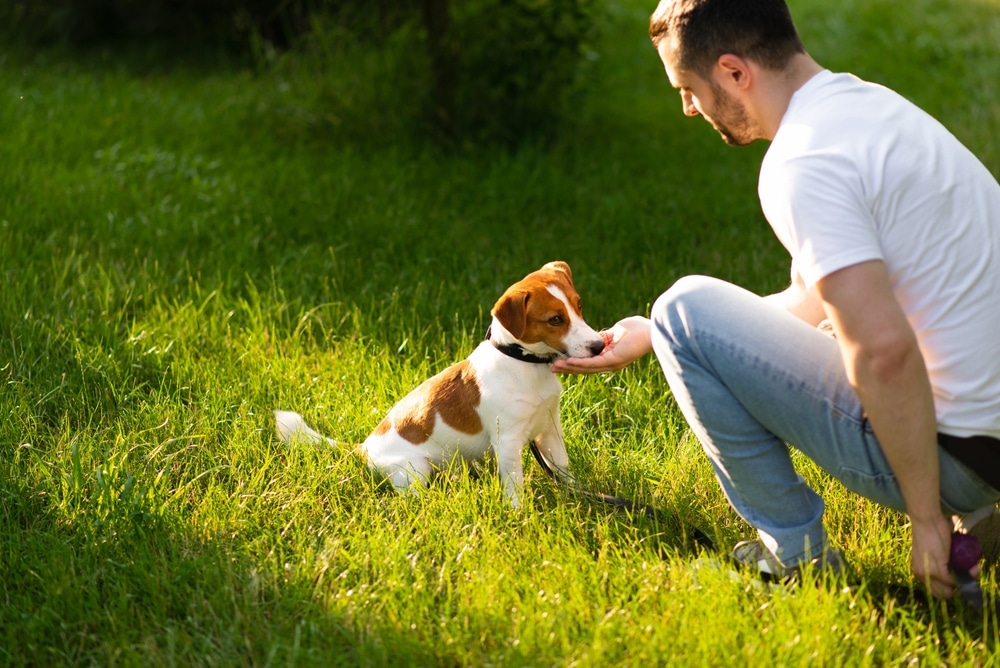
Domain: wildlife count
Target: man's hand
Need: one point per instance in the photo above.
(624, 343)
(931, 549)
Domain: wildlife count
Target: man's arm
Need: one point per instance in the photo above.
(798, 301)
(887, 370)
(631, 339)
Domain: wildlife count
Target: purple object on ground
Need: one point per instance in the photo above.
(965, 551)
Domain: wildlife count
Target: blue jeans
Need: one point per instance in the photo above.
(750, 379)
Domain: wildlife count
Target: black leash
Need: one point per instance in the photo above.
(697, 535)
(520, 353)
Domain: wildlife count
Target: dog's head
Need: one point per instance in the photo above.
(542, 313)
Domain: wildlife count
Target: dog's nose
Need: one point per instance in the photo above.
(596, 347)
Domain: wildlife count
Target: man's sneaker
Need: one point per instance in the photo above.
(753, 554)
(984, 524)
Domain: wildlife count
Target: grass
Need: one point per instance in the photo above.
(186, 249)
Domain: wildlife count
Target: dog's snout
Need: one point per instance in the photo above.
(596, 347)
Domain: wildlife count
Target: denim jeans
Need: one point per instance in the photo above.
(751, 379)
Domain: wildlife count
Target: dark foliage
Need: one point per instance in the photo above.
(496, 70)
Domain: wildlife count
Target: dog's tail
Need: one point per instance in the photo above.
(291, 427)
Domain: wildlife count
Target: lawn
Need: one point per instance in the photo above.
(188, 247)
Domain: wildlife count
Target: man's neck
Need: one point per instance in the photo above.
(775, 90)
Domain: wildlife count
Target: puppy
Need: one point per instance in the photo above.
(502, 396)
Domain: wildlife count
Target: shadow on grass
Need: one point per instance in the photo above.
(664, 531)
(888, 594)
(136, 589)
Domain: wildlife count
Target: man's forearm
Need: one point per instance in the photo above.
(886, 368)
(900, 408)
(901, 411)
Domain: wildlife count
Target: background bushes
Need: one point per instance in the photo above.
(479, 71)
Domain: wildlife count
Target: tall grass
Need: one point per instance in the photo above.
(185, 250)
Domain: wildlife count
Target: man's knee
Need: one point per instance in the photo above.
(683, 299)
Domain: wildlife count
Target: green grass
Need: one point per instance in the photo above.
(185, 250)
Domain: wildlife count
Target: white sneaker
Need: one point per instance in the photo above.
(753, 554)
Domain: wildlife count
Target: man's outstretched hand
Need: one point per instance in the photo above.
(624, 343)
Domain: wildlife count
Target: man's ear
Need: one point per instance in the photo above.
(732, 72)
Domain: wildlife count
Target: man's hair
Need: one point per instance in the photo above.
(702, 30)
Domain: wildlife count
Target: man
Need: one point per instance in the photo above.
(893, 228)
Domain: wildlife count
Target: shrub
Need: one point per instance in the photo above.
(225, 23)
(514, 66)
(489, 70)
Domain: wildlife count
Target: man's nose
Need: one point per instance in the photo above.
(687, 102)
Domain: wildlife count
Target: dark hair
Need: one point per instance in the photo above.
(703, 30)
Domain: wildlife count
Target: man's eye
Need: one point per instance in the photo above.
(556, 320)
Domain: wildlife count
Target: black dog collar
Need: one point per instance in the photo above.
(519, 353)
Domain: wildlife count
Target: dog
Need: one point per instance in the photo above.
(501, 397)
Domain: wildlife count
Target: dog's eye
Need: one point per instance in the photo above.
(556, 320)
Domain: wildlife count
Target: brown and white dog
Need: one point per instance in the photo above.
(502, 396)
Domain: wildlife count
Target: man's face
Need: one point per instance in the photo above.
(706, 98)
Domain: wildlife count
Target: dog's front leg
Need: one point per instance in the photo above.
(510, 468)
(552, 447)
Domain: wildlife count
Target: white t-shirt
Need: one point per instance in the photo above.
(856, 173)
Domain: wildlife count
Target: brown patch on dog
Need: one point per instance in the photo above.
(453, 394)
(531, 313)
(383, 427)
(415, 428)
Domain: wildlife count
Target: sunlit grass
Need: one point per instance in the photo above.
(186, 251)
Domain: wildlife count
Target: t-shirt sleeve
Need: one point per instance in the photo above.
(818, 209)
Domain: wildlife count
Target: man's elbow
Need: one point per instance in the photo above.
(890, 360)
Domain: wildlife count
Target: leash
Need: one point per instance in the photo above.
(699, 536)
(518, 352)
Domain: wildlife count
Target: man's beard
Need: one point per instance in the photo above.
(730, 119)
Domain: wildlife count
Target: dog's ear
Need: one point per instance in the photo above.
(559, 265)
(512, 312)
